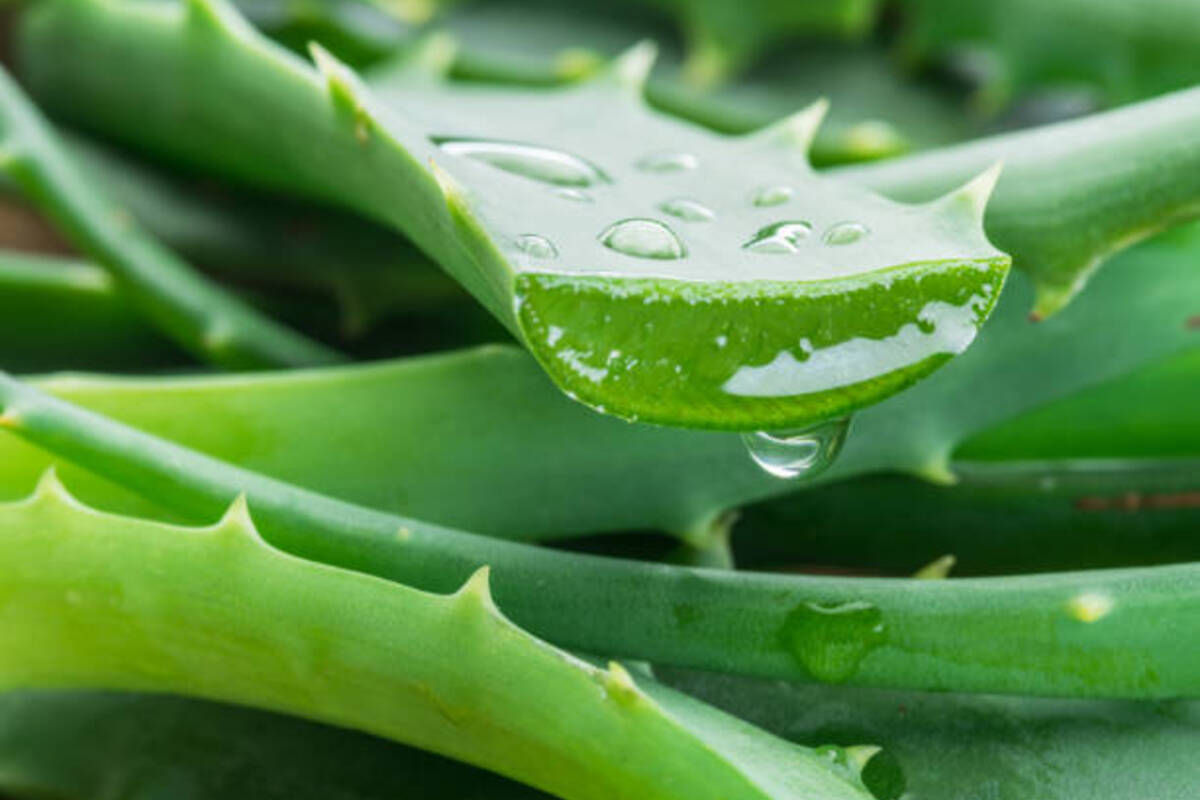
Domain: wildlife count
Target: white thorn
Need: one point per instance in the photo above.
(632, 68)
(50, 487)
(972, 197)
(796, 131)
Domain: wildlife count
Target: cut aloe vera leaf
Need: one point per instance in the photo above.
(100, 601)
(194, 313)
(1080, 382)
(1072, 193)
(514, 458)
(814, 301)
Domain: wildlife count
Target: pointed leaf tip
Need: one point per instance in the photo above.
(938, 569)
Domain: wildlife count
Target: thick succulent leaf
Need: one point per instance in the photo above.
(661, 315)
(1072, 193)
(1002, 517)
(99, 601)
(495, 428)
(1118, 51)
(958, 747)
(1117, 633)
(196, 314)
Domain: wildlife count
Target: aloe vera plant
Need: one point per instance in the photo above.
(986, 585)
(616, 237)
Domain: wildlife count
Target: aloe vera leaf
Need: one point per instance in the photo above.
(290, 426)
(100, 601)
(952, 747)
(195, 314)
(100, 330)
(999, 517)
(1117, 177)
(370, 271)
(1120, 52)
(1118, 633)
(580, 306)
(78, 745)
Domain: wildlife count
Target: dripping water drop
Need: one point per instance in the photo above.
(797, 454)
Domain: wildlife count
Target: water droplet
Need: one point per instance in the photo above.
(782, 237)
(529, 161)
(667, 162)
(688, 210)
(644, 238)
(845, 233)
(794, 454)
(537, 246)
(574, 195)
(766, 196)
(830, 640)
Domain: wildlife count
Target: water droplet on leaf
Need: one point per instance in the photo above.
(802, 453)
(643, 238)
(771, 196)
(845, 233)
(780, 238)
(529, 161)
(688, 210)
(536, 246)
(667, 162)
(831, 640)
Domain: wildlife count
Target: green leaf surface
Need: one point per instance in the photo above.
(99, 601)
(612, 293)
